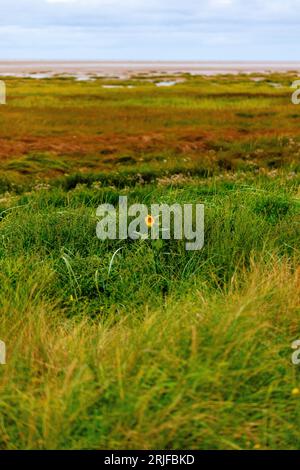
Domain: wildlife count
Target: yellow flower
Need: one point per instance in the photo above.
(150, 221)
(295, 392)
(257, 446)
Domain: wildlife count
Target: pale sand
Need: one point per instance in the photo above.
(128, 68)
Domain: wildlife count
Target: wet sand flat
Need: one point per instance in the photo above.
(127, 68)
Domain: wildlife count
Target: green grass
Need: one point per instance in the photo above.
(141, 344)
(168, 349)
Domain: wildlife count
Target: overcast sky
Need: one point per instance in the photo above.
(150, 29)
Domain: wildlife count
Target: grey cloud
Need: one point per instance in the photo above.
(141, 29)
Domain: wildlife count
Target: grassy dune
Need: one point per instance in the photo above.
(161, 348)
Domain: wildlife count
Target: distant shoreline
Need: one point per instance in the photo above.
(125, 68)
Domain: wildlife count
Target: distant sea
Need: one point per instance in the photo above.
(40, 69)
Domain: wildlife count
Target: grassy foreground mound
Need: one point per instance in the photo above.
(161, 348)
